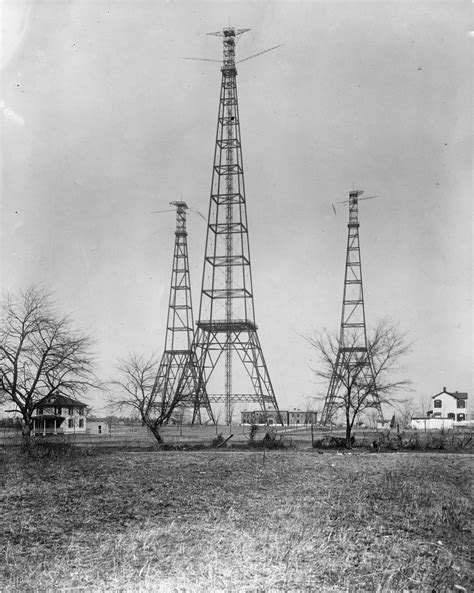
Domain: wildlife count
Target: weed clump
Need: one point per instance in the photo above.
(218, 441)
(55, 449)
(271, 440)
(331, 442)
(431, 441)
(46, 448)
(253, 432)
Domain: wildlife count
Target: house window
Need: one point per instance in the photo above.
(81, 423)
(70, 411)
(70, 423)
(461, 417)
(58, 410)
(40, 412)
(81, 411)
(452, 416)
(437, 403)
(461, 403)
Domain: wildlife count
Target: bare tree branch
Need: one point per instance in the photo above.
(385, 347)
(137, 376)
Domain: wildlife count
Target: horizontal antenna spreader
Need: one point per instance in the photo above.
(229, 35)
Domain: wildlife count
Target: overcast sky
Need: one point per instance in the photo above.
(102, 124)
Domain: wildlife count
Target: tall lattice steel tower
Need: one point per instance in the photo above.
(226, 329)
(179, 332)
(353, 358)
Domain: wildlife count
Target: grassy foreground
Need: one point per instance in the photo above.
(237, 521)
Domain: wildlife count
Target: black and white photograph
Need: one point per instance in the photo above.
(236, 254)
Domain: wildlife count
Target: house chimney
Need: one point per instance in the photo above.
(444, 388)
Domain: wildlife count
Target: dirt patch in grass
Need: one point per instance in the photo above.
(231, 520)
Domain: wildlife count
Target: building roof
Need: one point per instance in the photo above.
(58, 399)
(456, 394)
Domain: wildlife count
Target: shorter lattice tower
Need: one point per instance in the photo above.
(179, 333)
(353, 355)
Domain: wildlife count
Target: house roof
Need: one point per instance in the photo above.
(58, 399)
(456, 394)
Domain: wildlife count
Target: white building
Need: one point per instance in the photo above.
(98, 427)
(447, 410)
(451, 405)
(432, 423)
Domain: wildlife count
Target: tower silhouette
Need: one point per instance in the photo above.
(179, 332)
(353, 357)
(226, 330)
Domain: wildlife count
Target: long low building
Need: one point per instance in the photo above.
(289, 417)
(427, 423)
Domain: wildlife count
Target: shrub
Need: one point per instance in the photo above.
(330, 442)
(218, 440)
(47, 448)
(271, 440)
(253, 432)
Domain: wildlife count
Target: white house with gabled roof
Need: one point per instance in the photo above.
(448, 409)
(450, 405)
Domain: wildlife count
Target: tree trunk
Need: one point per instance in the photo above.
(27, 427)
(154, 429)
(348, 430)
(26, 433)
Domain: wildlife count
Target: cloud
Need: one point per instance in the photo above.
(16, 17)
(11, 115)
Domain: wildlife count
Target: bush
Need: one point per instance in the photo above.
(418, 441)
(47, 448)
(271, 440)
(253, 432)
(330, 442)
(218, 440)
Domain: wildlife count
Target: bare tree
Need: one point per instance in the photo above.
(40, 353)
(137, 376)
(406, 411)
(385, 347)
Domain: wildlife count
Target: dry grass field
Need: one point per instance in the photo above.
(227, 520)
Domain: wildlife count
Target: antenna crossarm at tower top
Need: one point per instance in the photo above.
(229, 34)
(354, 208)
(181, 208)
